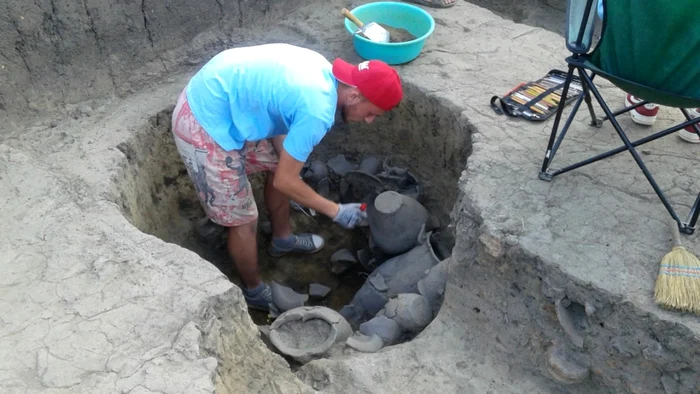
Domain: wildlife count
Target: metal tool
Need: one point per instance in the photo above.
(372, 31)
(297, 207)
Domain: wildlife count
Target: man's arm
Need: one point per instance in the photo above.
(287, 181)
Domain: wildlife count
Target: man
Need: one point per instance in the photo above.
(264, 108)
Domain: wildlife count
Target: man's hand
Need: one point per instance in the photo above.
(350, 215)
(287, 181)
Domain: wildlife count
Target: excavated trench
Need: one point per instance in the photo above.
(422, 135)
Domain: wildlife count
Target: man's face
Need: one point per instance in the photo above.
(359, 109)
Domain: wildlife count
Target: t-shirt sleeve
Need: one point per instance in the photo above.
(305, 132)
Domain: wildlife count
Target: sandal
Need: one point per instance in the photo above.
(432, 3)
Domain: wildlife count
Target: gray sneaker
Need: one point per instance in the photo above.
(303, 243)
(259, 299)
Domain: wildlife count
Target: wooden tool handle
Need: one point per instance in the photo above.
(352, 18)
(675, 233)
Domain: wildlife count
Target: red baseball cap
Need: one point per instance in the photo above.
(376, 80)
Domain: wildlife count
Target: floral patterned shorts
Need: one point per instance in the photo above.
(220, 177)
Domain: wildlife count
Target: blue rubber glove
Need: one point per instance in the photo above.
(350, 215)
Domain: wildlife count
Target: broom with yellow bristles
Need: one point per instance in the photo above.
(678, 283)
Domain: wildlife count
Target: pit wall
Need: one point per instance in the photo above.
(59, 52)
(424, 134)
(512, 296)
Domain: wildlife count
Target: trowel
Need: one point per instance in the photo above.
(372, 31)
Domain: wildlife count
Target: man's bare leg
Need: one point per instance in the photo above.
(243, 249)
(278, 208)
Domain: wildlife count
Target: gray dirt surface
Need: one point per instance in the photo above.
(89, 303)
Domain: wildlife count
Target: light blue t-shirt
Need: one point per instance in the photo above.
(258, 92)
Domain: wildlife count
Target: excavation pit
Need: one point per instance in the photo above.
(157, 196)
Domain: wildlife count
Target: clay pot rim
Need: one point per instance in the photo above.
(310, 314)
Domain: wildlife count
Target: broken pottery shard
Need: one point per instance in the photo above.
(370, 165)
(285, 298)
(343, 255)
(385, 328)
(378, 282)
(393, 170)
(442, 251)
(364, 343)
(566, 320)
(360, 185)
(323, 187)
(317, 171)
(411, 191)
(432, 287)
(365, 258)
(411, 311)
(564, 368)
(340, 166)
(306, 333)
(317, 290)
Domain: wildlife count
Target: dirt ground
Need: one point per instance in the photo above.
(105, 290)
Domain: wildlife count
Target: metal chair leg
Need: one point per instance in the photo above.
(632, 150)
(587, 96)
(548, 154)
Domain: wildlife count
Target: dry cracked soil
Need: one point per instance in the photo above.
(104, 290)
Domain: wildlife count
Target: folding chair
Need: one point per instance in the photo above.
(648, 48)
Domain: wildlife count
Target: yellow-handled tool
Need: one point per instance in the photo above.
(372, 31)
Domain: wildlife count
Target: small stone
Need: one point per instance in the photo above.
(622, 346)
(646, 151)
(512, 240)
(318, 290)
(53, 124)
(85, 109)
(265, 227)
(590, 308)
(670, 384)
(491, 246)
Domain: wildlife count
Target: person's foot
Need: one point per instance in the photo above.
(688, 134)
(259, 298)
(434, 3)
(296, 243)
(643, 115)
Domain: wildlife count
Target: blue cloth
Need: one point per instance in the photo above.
(257, 92)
